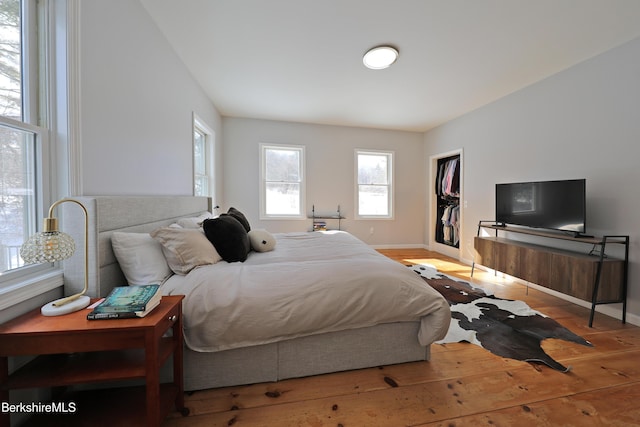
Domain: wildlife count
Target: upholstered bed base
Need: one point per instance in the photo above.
(338, 351)
(379, 345)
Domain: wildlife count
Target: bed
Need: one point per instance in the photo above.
(348, 332)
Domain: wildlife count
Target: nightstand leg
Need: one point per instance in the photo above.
(153, 381)
(178, 376)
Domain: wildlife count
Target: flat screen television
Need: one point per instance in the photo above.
(555, 205)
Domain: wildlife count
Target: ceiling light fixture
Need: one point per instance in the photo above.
(380, 57)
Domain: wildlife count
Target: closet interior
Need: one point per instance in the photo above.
(447, 190)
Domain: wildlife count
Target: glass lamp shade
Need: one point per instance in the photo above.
(47, 246)
(52, 245)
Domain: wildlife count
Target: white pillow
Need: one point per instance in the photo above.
(140, 258)
(194, 222)
(185, 248)
(262, 240)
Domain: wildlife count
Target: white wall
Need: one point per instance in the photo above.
(580, 123)
(330, 175)
(137, 101)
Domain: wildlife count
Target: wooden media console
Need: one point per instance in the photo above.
(590, 276)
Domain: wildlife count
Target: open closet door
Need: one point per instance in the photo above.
(445, 218)
(447, 191)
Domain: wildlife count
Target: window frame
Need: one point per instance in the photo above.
(390, 155)
(300, 149)
(41, 21)
(209, 156)
(39, 153)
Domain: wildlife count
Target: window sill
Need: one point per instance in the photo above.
(283, 217)
(368, 218)
(30, 287)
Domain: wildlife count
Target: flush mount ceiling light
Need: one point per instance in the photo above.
(380, 57)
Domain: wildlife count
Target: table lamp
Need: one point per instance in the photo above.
(51, 245)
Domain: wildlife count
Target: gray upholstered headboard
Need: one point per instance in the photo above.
(107, 214)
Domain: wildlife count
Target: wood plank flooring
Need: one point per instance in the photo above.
(462, 384)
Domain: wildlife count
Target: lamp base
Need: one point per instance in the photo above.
(75, 305)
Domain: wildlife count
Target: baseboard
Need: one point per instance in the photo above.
(403, 246)
(611, 310)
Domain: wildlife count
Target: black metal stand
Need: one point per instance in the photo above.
(596, 285)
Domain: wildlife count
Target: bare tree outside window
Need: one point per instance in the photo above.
(282, 180)
(374, 184)
(17, 145)
(201, 176)
(10, 60)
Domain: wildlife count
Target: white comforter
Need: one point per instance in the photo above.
(311, 283)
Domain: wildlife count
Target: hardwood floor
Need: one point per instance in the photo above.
(462, 384)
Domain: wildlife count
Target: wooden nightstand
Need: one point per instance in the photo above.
(72, 350)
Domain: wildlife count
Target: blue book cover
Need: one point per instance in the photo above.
(99, 315)
(129, 299)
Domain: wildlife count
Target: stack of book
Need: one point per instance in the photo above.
(126, 302)
(319, 225)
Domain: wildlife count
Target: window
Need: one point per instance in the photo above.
(18, 192)
(282, 181)
(374, 193)
(203, 149)
(24, 145)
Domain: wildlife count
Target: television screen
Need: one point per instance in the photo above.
(557, 205)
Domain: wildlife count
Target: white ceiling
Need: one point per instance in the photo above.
(301, 60)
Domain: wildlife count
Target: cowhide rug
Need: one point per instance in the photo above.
(506, 328)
